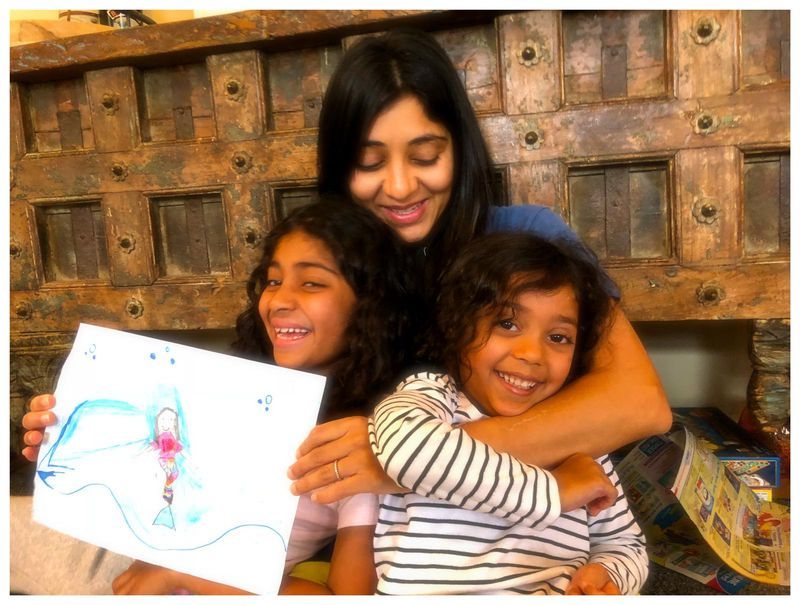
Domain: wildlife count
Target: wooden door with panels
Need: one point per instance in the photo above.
(147, 164)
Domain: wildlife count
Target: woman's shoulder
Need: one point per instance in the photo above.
(529, 217)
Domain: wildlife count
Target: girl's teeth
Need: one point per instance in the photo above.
(291, 332)
(517, 382)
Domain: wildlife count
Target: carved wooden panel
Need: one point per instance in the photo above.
(297, 81)
(177, 103)
(190, 235)
(148, 164)
(765, 47)
(766, 204)
(614, 55)
(621, 211)
(72, 241)
(57, 116)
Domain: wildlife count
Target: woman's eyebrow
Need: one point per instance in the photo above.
(420, 140)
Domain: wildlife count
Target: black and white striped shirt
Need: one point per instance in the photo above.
(479, 521)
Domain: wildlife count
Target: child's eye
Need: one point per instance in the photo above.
(313, 284)
(561, 339)
(508, 324)
(272, 283)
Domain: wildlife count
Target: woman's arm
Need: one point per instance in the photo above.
(619, 401)
(352, 568)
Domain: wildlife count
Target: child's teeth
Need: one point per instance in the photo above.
(517, 382)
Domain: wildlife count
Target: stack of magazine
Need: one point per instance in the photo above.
(692, 492)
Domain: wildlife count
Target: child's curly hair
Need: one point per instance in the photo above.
(369, 257)
(494, 270)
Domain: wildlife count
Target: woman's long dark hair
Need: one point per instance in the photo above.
(368, 255)
(373, 74)
(494, 270)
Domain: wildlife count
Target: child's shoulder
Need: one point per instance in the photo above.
(426, 378)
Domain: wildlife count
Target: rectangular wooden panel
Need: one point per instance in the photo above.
(247, 207)
(765, 47)
(178, 103)
(238, 87)
(709, 213)
(129, 239)
(613, 55)
(618, 212)
(72, 241)
(114, 108)
(69, 129)
(181, 227)
(538, 183)
(706, 53)
(587, 208)
(18, 124)
(297, 82)
(163, 306)
(673, 293)
(59, 116)
(473, 51)
(621, 210)
(24, 273)
(649, 212)
(766, 207)
(289, 198)
(757, 117)
(531, 60)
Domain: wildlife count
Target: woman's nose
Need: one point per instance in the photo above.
(400, 181)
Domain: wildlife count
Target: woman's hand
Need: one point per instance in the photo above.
(36, 421)
(592, 578)
(345, 440)
(144, 578)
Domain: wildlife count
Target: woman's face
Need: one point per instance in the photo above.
(404, 174)
(306, 305)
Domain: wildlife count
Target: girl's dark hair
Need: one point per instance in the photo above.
(372, 75)
(368, 254)
(494, 270)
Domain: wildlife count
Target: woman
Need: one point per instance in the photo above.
(398, 136)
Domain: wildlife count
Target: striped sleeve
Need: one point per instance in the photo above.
(616, 540)
(412, 436)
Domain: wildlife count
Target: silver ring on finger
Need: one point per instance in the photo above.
(336, 470)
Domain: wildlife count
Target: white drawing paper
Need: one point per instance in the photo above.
(176, 456)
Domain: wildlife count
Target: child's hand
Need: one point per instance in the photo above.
(35, 422)
(592, 578)
(144, 578)
(583, 482)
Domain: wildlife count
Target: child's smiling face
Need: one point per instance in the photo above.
(306, 304)
(524, 355)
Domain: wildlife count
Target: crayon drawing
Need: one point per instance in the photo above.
(176, 456)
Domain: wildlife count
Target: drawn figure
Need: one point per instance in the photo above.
(167, 444)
